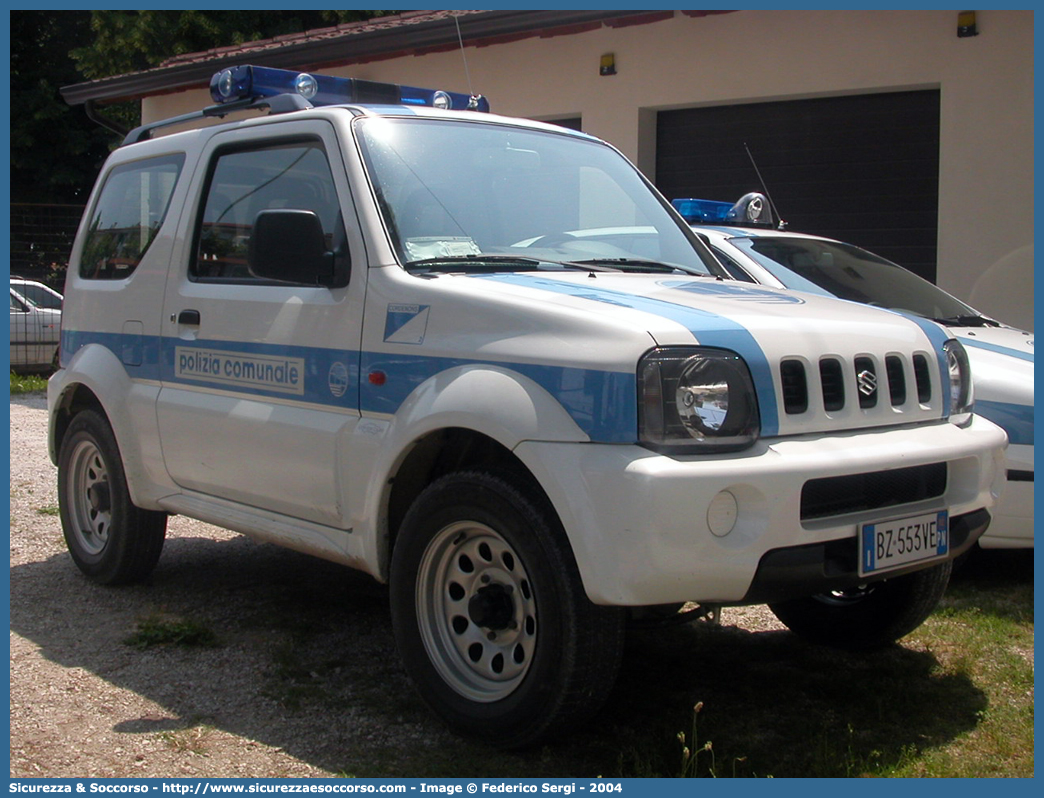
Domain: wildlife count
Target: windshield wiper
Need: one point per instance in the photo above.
(492, 263)
(640, 265)
(968, 321)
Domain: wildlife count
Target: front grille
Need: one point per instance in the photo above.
(854, 493)
(863, 373)
(833, 378)
(924, 380)
(795, 386)
(896, 380)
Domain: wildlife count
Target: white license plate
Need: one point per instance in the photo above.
(892, 544)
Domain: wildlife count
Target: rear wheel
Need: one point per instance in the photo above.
(490, 617)
(110, 539)
(870, 616)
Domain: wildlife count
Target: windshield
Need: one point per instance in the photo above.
(848, 272)
(456, 194)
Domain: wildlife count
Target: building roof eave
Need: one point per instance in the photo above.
(341, 47)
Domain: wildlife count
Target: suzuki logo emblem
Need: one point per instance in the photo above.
(867, 382)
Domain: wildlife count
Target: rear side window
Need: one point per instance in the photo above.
(245, 182)
(130, 209)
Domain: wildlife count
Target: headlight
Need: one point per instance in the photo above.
(696, 400)
(960, 382)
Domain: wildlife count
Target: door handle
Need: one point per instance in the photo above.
(188, 317)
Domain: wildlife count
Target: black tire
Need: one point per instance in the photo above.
(490, 616)
(110, 539)
(869, 617)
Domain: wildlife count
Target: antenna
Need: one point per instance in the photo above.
(464, 58)
(764, 188)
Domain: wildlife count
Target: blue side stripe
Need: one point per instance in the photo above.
(603, 404)
(1003, 350)
(1016, 420)
(708, 328)
(330, 376)
(140, 354)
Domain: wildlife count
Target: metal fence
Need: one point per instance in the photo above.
(41, 240)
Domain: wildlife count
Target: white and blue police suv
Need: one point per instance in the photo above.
(358, 326)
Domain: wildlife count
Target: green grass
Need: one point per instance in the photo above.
(955, 699)
(27, 383)
(193, 740)
(160, 630)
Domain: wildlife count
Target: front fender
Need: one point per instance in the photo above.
(130, 406)
(494, 401)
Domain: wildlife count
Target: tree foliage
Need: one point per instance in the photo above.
(128, 41)
(55, 150)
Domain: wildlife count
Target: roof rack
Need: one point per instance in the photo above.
(280, 104)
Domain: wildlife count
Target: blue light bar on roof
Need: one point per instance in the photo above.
(702, 211)
(253, 82)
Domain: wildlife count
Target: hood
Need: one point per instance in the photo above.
(679, 310)
(765, 326)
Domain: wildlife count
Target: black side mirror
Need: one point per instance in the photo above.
(290, 246)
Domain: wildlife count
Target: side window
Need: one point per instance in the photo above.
(130, 209)
(243, 183)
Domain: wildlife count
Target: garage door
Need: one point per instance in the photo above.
(863, 169)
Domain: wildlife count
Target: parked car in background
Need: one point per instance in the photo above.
(41, 295)
(751, 246)
(34, 334)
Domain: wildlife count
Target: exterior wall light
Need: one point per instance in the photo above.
(966, 24)
(608, 65)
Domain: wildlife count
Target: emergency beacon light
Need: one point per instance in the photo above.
(751, 210)
(254, 82)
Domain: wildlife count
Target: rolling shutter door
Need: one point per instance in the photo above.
(862, 169)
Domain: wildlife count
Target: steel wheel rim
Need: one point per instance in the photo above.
(476, 611)
(89, 498)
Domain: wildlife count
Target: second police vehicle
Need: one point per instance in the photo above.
(358, 326)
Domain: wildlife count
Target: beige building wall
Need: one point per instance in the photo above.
(985, 83)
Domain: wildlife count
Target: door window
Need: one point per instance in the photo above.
(243, 183)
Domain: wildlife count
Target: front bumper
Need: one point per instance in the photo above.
(650, 529)
(787, 573)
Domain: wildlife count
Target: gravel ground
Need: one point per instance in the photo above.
(305, 680)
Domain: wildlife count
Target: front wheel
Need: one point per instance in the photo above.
(110, 539)
(490, 617)
(867, 617)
